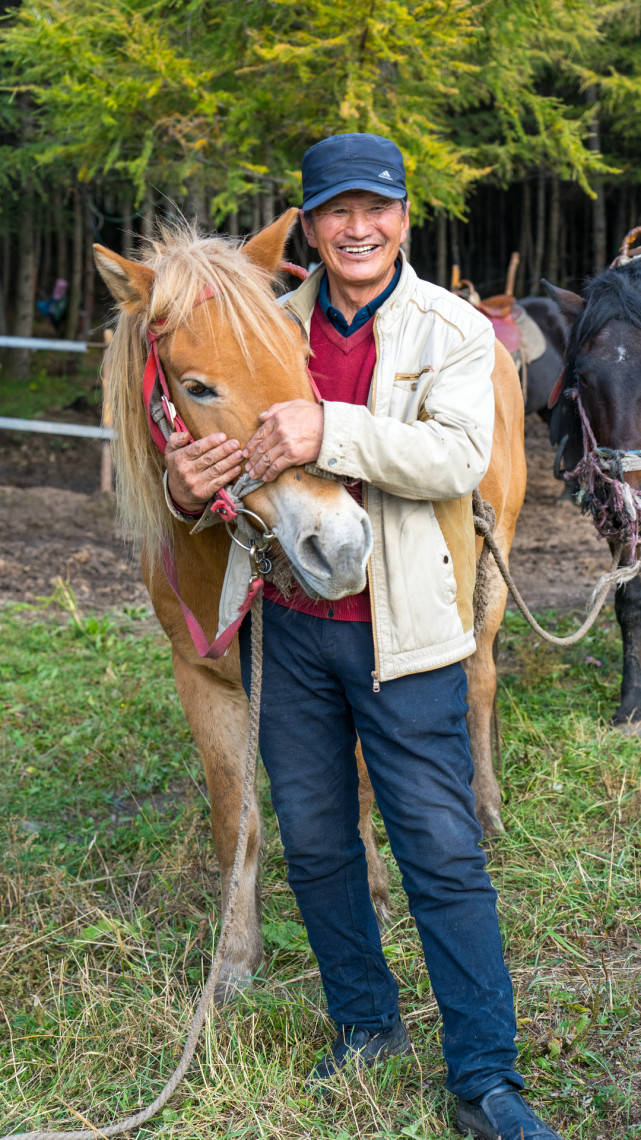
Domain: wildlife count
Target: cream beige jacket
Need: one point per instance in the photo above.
(421, 446)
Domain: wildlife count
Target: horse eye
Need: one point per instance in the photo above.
(194, 388)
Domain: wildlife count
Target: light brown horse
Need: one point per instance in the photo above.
(212, 306)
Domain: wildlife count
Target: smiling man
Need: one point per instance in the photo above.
(403, 369)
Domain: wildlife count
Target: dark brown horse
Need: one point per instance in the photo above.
(598, 405)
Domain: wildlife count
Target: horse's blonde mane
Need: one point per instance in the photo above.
(185, 264)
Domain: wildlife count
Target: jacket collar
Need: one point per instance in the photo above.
(301, 302)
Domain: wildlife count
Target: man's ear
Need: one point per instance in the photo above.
(129, 282)
(570, 304)
(308, 230)
(267, 247)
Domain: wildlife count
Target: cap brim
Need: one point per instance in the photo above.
(354, 184)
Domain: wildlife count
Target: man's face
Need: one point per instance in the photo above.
(358, 235)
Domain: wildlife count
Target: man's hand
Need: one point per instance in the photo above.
(290, 436)
(197, 470)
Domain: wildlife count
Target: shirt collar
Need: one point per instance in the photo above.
(363, 315)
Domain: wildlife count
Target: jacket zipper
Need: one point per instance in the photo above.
(376, 680)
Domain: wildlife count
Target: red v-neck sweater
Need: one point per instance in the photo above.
(342, 368)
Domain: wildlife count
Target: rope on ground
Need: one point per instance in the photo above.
(615, 576)
(141, 1117)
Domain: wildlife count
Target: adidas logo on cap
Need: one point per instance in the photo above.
(386, 174)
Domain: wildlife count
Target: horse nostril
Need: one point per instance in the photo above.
(312, 558)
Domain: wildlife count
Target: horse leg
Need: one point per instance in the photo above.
(376, 870)
(627, 606)
(481, 682)
(217, 712)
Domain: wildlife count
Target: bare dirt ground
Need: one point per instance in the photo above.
(55, 523)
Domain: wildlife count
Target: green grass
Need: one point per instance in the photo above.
(109, 905)
(57, 379)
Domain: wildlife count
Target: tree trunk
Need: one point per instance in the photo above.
(539, 241)
(621, 227)
(503, 212)
(441, 251)
(25, 287)
(455, 248)
(75, 283)
(195, 206)
(88, 275)
(599, 234)
(634, 217)
(46, 268)
(554, 238)
(256, 212)
(60, 229)
(525, 240)
(148, 217)
(3, 317)
(126, 212)
(231, 225)
(6, 270)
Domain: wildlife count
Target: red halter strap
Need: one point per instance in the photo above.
(161, 413)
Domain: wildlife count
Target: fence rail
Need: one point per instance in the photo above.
(55, 427)
(51, 427)
(41, 343)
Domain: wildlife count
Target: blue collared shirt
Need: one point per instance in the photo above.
(363, 315)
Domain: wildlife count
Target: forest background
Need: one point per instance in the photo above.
(519, 121)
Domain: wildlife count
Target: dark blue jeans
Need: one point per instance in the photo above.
(317, 696)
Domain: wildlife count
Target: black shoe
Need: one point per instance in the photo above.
(501, 1115)
(361, 1047)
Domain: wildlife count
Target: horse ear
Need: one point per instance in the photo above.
(570, 304)
(129, 282)
(266, 248)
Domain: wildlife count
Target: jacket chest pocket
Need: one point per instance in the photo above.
(408, 393)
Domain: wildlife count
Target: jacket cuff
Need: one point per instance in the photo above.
(198, 521)
(335, 453)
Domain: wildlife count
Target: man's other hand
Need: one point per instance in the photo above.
(196, 470)
(290, 436)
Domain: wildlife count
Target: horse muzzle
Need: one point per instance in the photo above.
(325, 535)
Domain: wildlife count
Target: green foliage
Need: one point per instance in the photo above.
(109, 904)
(226, 97)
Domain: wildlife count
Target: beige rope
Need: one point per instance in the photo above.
(198, 1021)
(615, 576)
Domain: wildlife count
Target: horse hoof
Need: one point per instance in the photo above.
(491, 822)
(628, 727)
(383, 913)
(229, 989)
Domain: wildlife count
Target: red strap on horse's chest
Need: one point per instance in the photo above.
(202, 646)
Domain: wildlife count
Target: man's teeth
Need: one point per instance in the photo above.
(358, 248)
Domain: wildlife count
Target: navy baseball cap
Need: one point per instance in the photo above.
(352, 162)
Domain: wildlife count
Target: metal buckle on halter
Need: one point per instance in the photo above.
(169, 410)
(258, 549)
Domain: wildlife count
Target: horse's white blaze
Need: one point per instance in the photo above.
(327, 543)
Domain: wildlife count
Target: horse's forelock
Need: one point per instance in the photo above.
(187, 268)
